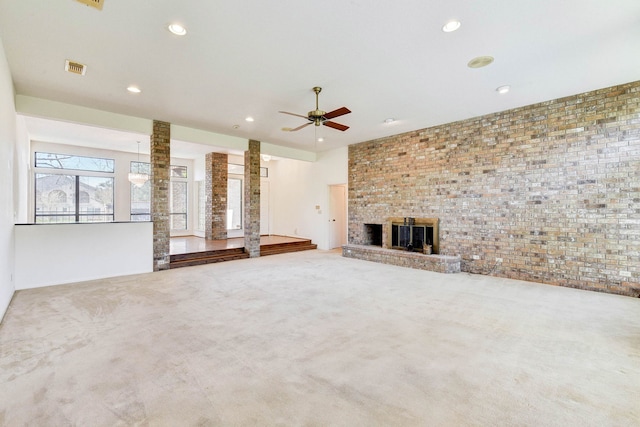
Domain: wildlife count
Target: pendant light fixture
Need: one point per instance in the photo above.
(137, 178)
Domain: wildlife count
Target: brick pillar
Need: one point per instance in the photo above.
(252, 199)
(216, 195)
(160, 161)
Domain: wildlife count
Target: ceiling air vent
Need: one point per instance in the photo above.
(75, 67)
(93, 3)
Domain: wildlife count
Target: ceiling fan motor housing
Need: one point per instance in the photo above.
(317, 116)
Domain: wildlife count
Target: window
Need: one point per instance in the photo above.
(140, 196)
(67, 161)
(178, 171)
(234, 204)
(73, 198)
(202, 204)
(178, 201)
(61, 197)
(178, 205)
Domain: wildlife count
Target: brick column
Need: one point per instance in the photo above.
(216, 195)
(160, 161)
(252, 199)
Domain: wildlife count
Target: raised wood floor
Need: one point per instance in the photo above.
(191, 250)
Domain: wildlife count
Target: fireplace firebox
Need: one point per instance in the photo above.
(373, 234)
(414, 234)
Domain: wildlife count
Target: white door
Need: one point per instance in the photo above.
(337, 216)
(264, 208)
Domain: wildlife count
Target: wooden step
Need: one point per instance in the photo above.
(207, 257)
(283, 248)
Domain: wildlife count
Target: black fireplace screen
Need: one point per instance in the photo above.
(414, 236)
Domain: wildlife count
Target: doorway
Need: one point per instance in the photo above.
(337, 215)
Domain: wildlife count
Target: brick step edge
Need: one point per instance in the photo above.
(206, 260)
(287, 249)
(207, 254)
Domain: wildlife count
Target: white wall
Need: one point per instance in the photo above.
(53, 254)
(297, 187)
(7, 154)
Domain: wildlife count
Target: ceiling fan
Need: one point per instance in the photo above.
(319, 117)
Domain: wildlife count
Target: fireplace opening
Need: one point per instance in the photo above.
(373, 234)
(411, 236)
(415, 235)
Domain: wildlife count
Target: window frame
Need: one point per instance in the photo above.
(76, 213)
(109, 161)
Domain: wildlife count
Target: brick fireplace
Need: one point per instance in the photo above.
(545, 193)
(401, 241)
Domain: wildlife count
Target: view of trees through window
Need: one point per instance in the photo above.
(141, 196)
(66, 161)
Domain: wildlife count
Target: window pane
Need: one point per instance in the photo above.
(234, 204)
(55, 198)
(140, 196)
(202, 204)
(178, 221)
(96, 199)
(66, 161)
(234, 169)
(178, 171)
(178, 204)
(140, 167)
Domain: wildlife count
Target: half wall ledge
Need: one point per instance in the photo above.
(437, 263)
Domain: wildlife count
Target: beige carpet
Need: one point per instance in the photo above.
(314, 339)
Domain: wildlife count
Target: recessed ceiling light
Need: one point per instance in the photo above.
(451, 26)
(248, 119)
(503, 89)
(134, 89)
(480, 61)
(177, 29)
(321, 139)
(389, 120)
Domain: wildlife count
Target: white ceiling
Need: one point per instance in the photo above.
(252, 58)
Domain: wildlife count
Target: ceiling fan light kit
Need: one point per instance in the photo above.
(319, 117)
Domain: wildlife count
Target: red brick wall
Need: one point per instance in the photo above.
(217, 168)
(552, 189)
(160, 160)
(252, 199)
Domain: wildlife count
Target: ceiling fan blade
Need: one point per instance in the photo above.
(300, 127)
(337, 113)
(336, 125)
(294, 114)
